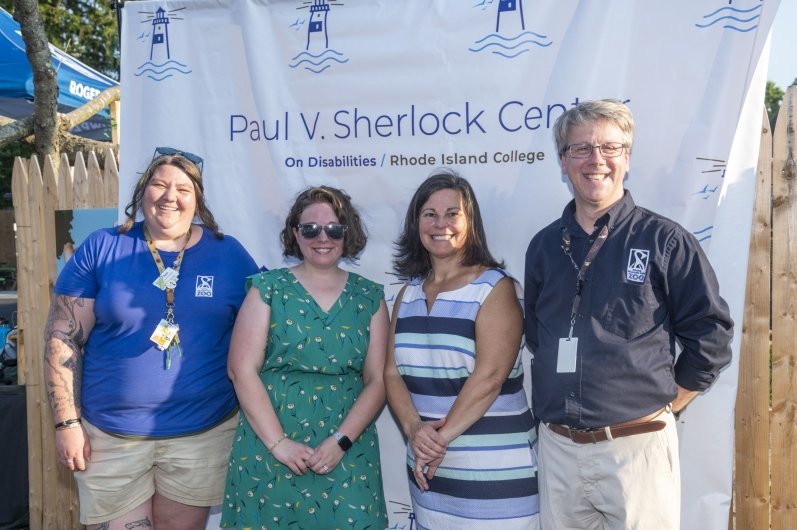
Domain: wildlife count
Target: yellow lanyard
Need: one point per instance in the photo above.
(175, 266)
(169, 288)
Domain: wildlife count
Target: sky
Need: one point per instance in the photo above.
(783, 46)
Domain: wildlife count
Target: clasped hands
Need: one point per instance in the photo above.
(300, 457)
(429, 447)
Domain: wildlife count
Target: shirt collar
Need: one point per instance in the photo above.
(613, 217)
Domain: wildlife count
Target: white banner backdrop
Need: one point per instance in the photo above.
(372, 96)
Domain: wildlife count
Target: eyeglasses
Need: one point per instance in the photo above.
(171, 151)
(608, 150)
(313, 230)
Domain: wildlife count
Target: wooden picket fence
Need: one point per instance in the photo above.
(765, 476)
(765, 492)
(37, 193)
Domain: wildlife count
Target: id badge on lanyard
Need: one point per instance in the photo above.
(567, 353)
(166, 334)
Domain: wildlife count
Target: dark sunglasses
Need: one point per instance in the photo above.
(171, 151)
(313, 230)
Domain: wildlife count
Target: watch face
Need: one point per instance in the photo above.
(343, 441)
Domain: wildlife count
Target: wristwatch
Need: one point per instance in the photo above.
(343, 440)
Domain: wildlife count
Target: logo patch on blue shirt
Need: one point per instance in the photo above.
(204, 286)
(637, 269)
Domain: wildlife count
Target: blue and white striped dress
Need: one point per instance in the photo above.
(488, 478)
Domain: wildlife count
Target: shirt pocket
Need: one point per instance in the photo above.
(632, 310)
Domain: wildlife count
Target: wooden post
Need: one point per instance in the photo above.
(37, 193)
(784, 316)
(80, 184)
(116, 116)
(110, 180)
(751, 500)
(65, 195)
(19, 194)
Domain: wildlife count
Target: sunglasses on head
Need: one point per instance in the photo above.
(313, 230)
(171, 151)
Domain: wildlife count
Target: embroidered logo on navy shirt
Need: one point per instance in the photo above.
(204, 286)
(637, 268)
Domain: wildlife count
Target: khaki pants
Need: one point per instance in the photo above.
(626, 483)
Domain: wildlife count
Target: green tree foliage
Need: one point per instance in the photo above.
(772, 98)
(86, 29)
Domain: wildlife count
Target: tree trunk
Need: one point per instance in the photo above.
(45, 78)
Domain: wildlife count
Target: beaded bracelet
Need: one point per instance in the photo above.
(275, 444)
(67, 424)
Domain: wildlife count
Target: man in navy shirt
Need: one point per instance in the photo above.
(611, 290)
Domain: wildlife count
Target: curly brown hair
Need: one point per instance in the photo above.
(355, 236)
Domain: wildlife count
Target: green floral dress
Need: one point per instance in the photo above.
(313, 374)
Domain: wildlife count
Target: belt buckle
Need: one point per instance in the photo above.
(585, 430)
(593, 431)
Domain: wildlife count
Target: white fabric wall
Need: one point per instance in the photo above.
(237, 73)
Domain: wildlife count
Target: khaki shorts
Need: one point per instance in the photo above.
(124, 473)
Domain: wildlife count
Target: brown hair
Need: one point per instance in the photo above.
(192, 171)
(355, 237)
(411, 258)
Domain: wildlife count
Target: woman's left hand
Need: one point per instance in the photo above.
(327, 455)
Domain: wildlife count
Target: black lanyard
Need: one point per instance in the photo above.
(582, 271)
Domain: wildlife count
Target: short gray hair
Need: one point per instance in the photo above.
(611, 110)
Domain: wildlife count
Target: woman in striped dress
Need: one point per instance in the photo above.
(453, 374)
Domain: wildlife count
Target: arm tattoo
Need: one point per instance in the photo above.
(64, 340)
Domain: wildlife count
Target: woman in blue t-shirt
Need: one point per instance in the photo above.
(136, 351)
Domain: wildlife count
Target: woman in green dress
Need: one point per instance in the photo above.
(306, 359)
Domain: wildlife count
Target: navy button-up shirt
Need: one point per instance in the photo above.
(649, 287)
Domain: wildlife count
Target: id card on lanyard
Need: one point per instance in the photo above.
(567, 354)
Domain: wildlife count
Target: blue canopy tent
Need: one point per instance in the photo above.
(77, 83)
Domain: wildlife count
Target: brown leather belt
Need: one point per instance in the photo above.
(591, 436)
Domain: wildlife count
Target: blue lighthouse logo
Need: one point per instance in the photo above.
(160, 34)
(317, 28)
(160, 65)
(512, 11)
(317, 55)
(510, 38)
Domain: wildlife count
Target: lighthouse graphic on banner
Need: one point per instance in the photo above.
(316, 55)
(162, 60)
(317, 35)
(510, 16)
(159, 48)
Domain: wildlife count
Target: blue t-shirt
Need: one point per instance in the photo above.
(127, 388)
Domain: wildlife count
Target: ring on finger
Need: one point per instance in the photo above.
(325, 468)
